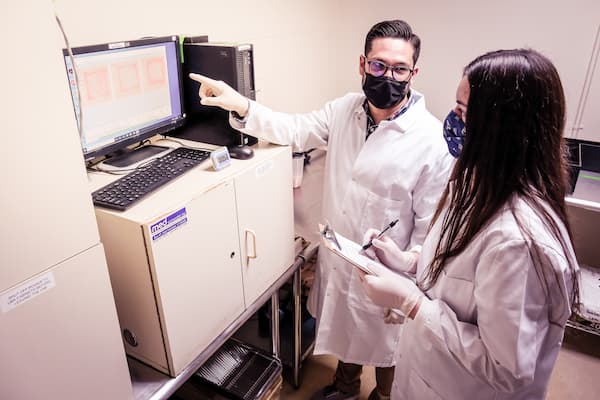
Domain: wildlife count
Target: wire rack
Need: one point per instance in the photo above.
(240, 371)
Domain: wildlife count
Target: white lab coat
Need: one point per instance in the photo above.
(398, 173)
(486, 333)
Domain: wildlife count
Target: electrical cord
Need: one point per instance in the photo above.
(72, 58)
(121, 171)
(169, 139)
(124, 171)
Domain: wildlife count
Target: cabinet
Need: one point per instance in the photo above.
(584, 217)
(59, 334)
(189, 259)
(63, 342)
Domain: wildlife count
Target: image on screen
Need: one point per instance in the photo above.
(125, 92)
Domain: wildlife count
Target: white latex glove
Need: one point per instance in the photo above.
(220, 94)
(387, 252)
(389, 289)
(391, 316)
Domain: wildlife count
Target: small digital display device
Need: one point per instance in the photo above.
(220, 158)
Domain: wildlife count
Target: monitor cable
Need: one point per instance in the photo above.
(120, 171)
(169, 139)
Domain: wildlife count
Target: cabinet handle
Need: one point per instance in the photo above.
(250, 233)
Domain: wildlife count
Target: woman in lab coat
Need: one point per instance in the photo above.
(398, 172)
(496, 278)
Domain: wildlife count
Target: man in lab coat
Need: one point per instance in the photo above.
(386, 160)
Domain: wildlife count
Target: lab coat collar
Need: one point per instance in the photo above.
(412, 114)
(407, 119)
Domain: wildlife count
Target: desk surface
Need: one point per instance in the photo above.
(200, 179)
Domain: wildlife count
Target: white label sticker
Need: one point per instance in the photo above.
(26, 291)
(264, 168)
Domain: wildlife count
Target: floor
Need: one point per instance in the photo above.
(576, 374)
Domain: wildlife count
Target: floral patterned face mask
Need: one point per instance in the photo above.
(454, 133)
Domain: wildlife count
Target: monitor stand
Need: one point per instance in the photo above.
(127, 157)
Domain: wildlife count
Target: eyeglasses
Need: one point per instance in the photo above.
(399, 72)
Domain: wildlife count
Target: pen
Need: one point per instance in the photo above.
(391, 224)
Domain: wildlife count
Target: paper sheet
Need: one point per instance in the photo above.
(350, 251)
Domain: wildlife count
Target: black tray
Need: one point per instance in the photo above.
(239, 371)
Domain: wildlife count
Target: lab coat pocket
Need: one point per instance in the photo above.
(379, 211)
(457, 292)
(419, 389)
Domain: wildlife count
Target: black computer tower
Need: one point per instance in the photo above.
(231, 63)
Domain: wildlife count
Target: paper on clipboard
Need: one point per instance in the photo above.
(348, 250)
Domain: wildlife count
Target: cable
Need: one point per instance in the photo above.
(93, 167)
(121, 171)
(143, 142)
(72, 58)
(168, 139)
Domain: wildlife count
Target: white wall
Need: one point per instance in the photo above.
(292, 39)
(306, 52)
(455, 32)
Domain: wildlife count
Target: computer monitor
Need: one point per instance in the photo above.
(124, 93)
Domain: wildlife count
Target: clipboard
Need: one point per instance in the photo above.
(347, 249)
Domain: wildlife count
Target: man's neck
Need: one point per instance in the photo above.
(379, 115)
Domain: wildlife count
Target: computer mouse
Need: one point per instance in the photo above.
(241, 152)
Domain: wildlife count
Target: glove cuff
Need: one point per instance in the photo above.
(410, 302)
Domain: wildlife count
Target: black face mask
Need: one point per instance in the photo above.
(384, 92)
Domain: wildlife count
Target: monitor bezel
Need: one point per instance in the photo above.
(116, 147)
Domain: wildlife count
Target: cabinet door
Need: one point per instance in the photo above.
(266, 223)
(59, 335)
(45, 205)
(195, 266)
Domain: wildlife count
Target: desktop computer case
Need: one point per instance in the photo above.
(231, 63)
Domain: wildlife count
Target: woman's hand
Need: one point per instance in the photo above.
(389, 289)
(387, 252)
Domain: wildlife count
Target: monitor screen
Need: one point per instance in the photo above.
(125, 92)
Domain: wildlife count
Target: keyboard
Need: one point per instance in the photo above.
(131, 188)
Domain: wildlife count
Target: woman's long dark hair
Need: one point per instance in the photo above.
(513, 148)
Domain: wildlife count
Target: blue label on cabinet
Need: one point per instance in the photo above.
(168, 223)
